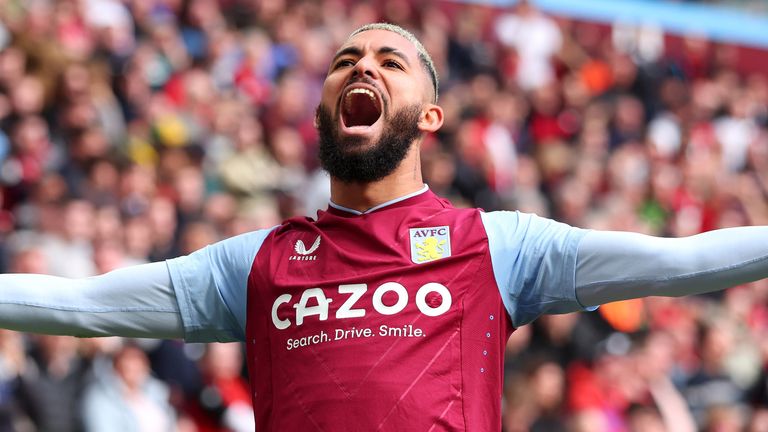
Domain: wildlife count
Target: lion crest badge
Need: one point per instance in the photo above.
(430, 244)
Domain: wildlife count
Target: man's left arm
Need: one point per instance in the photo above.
(543, 267)
(612, 265)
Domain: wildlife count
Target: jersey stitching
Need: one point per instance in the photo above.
(425, 188)
(486, 257)
(418, 377)
(254, 277)
(330, 373)
(381, 358)
(88, 310)
(461, 365)
(445, 411)
(234, 323)
(299, 401)
(183, 291)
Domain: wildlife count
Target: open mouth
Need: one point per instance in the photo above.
(360, 107)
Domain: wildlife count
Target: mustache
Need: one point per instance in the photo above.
(365, 79)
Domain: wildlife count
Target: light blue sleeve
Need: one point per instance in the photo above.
(617, 265)
(534, 263)
(211, 287)
(134, 301)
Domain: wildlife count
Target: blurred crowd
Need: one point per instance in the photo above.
(138, 130)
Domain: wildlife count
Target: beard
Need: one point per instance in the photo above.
(343, 157)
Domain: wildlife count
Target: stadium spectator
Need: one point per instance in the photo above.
(126, 398)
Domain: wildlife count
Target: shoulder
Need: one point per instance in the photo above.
(519, 227)
(294, 223)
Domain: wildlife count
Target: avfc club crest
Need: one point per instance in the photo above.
(430, 244)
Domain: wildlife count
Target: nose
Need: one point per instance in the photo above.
(365, 66)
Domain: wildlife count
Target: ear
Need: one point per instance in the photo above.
(431, 118)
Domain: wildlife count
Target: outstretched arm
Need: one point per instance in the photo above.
(134, 302)
(200, 297)
(543, 266)
(614, 266)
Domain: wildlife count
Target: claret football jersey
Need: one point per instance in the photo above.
(394, 319)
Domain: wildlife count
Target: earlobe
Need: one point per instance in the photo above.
(431, 119)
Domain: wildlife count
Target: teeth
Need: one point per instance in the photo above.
(361, 91)
(354, 91)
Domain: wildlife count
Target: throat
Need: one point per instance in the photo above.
(360, 110)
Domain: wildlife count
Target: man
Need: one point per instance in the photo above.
(392, 310)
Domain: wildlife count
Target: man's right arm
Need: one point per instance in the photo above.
(200, 297)
(136, 301)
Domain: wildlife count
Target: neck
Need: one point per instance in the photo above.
(404, 180)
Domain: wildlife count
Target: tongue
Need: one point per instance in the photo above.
(360, 110)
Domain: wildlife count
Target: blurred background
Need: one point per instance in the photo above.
(138, 130)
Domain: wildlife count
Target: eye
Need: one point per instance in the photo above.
(392, 64)
(344, 63)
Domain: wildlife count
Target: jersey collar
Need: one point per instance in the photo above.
(344, 211)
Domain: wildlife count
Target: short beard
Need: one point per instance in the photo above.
(345, 161)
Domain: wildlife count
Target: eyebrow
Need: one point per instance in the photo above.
(396, 52)
(357, 52)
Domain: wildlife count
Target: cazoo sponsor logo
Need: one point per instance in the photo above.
(314, 303)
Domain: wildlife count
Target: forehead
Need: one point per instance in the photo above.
(373, 40)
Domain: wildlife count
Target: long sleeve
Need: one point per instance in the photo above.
(137, 301)
(614, 266)
(534, 263)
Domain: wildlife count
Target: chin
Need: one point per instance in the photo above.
(366, 153)
(355, 143)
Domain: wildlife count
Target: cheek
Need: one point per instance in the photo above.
(407, 93)
(326, 99)
(331, 89)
